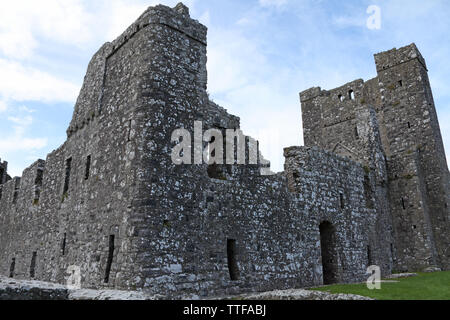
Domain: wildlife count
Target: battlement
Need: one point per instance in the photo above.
(388, 59)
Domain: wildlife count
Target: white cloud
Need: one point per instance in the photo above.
(26, 83)
(21, 22)
(18, 141)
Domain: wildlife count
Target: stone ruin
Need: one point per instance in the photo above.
(371, 186)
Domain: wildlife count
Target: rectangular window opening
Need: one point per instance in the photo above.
(341, 199)
(110, 258)
(369, 256)
(12, 268)
(232, 260)
(88, 167)
(38, 185)
(33, 265)
(67, 178)
(63, 245)
(403, 204)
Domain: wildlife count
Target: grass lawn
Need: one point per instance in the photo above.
(425, 286)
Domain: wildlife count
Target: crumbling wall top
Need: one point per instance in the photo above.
(388, 59)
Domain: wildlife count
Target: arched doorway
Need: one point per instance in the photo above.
(329, 255)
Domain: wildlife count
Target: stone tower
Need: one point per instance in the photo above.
(402, 143)
(417, 166)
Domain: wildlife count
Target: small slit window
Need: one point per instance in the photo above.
(87, 168)
(341, 98)
(67, 177)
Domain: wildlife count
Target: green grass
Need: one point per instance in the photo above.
(425, 286)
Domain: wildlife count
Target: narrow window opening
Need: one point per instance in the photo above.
(67, 178)
(409, 125)
(400, 83)
(369, 256)
(341, 200)
(110, 258)
(356, 133)
(12, 268)
(63, 245)
(88, 167)
(414, 227)
(392, 251)
(232, 261)
(341, 98)
(33, 265)
(351, 95)
(129, 131)
(403, 204)
(38, 185)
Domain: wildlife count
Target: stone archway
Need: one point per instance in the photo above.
(329, 253)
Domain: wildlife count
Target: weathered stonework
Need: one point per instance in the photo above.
(111, 201)
(412, 185)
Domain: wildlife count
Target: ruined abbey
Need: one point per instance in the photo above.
(370, 186)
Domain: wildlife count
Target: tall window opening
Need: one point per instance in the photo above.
(232, 260)
(110, 258)
(67, 178)
(63, 244)
(12, 268)
(33, 265)
(87, 168)
(38, 185)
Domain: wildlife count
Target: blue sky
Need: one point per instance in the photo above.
(261, 54)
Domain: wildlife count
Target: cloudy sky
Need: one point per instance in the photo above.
(261, 54)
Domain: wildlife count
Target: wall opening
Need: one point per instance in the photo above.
(409, 125)
(110, 258)
(341, 200)
(369, 256)
(232, 259)
(356, 133)
(392, 252)
(63, 244)
(341, 98)
(87, 169)
(400, 83)
(129, 130)
(33, 265)
(12, 268)
(67, 178)
(329, 254)
(351, 95)
(403, 204)
(38, 185)
(2, 172)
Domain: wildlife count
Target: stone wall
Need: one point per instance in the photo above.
(111, 202)
(408, 135)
